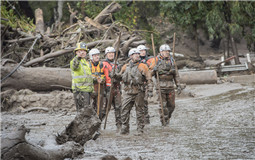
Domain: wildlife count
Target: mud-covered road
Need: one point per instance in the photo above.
(217, 123)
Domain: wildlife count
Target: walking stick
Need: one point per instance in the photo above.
(110, 95)
(159, 89)
(176, 69)
(98, 101)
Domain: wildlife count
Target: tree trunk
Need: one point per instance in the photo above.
(237, 61)
(15, 146)
(36, 79)
(111, 8)
(82, 128)
(44, 78)
(60, 10)
(197, 43)
(39, 21)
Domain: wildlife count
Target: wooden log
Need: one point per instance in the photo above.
(198, 77)
(39, 21)
(82, 128)
(47, 79)
(111, 8)
(15, 146)
(126, 45)
(36, 79)
(62, 52)
(47, 56)
(95, 24)
(20, 40)
(137, 43)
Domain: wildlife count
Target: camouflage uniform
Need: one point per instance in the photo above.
(167, 78)
(146, 60)
(133, 76)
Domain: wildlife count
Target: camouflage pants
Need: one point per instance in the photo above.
(168, 99)
(128, 101)
(94, 96)
(146, 108)
(81, 99)
(116, 102)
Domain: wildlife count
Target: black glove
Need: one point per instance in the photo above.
(150, 94)
(108, 89)
(155, 68)
(179, 90)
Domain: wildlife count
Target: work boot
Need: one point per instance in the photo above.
(147, 121)
(124, 131)
(96, 135)
(118, 128)
(139, 132)
(166, 122)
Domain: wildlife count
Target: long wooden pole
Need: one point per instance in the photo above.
(98, 100)
(110, 95)
(159, 89)
(175, 66)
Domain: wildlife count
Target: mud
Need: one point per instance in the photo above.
(21, 101)
(213, 121)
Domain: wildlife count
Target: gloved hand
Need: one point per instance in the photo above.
(155, 68)
(179, 90)
(108, 89)
(150, 94)
(112, 76)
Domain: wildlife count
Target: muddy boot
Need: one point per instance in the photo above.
(166, 122)
(124, 130)
(139, 132)
(147, 121)
(118, 128)
(96, 135)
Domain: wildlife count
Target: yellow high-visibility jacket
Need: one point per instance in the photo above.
(82, 79)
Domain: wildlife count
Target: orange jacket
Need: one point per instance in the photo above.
(98, 70)
(108, 67)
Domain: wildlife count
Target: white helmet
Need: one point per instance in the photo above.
(93, 52)
(142, 47)
(133, 51)
(109, 49)
(164, 47)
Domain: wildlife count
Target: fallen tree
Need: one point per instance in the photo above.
(15, 146)
(37, 78)
(47, 79)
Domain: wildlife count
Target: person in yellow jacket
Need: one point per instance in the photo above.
(82, 80)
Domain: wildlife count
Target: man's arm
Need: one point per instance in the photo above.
(75, 63)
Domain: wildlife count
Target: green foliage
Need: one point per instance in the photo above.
(47, 8)
(90, 8)
(184, 14)
(26, 24)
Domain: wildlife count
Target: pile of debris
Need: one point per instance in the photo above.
(100, 32)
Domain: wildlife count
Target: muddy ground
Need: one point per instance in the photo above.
(215, 121)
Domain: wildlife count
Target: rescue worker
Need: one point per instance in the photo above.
(133, 75)
(168, 76)
(98, 73)
(116, 98)
(145, 59)
(82, 80)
